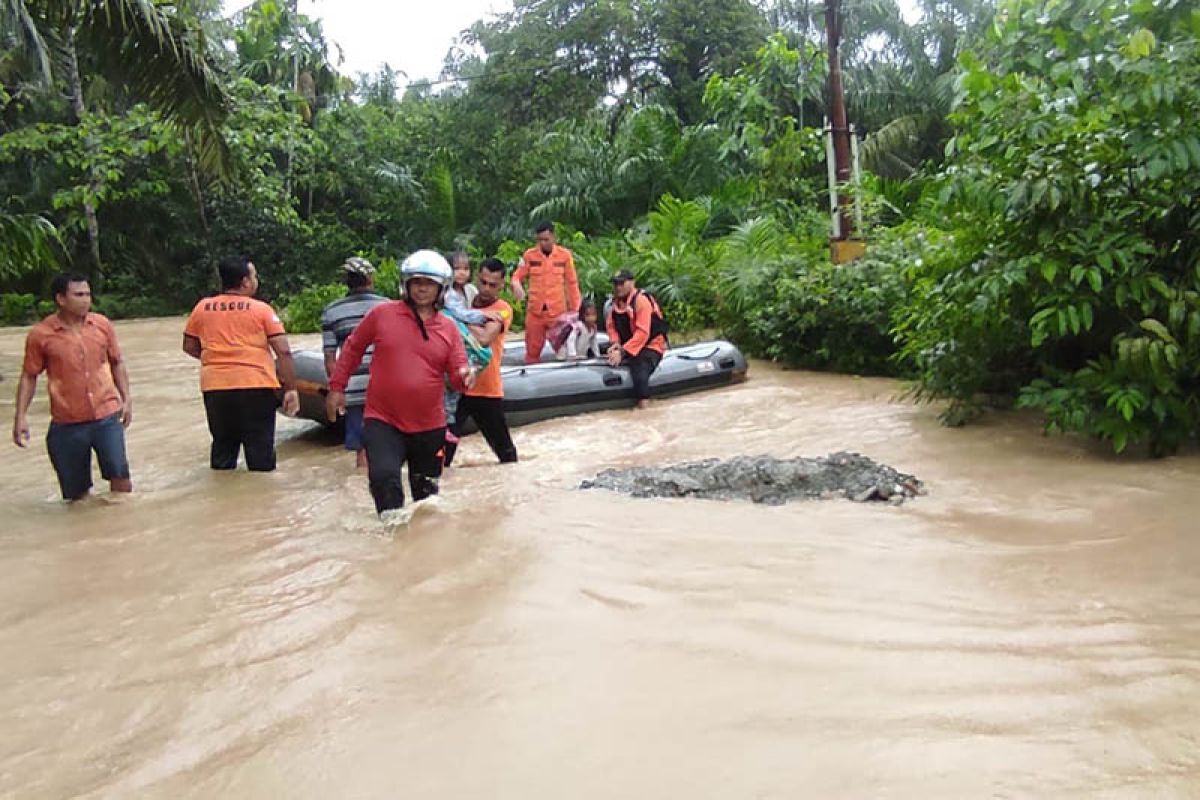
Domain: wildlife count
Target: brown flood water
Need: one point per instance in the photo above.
(1031, 628)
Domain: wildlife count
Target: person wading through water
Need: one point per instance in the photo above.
(338, 321)
(234, 336)
(90, 405)
(484, 402)
(415, 349)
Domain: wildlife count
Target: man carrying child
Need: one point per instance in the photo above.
(484, 402)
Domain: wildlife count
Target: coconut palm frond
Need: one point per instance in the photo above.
(748, 258)
(28, 242)
(19, 29)
(884, 150)
(676, 223)
(760, 237)
(141, 47)
(400, 177)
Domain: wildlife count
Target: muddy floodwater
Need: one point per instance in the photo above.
(1030, 628)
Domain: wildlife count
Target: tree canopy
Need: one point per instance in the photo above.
(1028, 192)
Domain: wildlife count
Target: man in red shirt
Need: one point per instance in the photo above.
(553, 288)
(484, 402)
(90, 406)
(636, 332)
(415, 348)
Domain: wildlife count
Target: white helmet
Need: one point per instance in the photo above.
(426, 264)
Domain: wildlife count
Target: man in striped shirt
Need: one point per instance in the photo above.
(338, 321)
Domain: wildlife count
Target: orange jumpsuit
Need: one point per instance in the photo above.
(553, 290)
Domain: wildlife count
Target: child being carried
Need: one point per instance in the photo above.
(458, 308)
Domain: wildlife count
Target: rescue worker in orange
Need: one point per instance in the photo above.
(637, 332)
(484, 402)
(553, 288)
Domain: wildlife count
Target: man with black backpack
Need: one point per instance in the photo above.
(637, 332)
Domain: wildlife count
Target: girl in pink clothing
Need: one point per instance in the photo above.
(581, 341)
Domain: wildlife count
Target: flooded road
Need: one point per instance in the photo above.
(1030, 628)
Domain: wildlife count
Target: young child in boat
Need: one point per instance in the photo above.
(581, 338)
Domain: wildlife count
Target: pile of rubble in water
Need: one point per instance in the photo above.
(763, 479)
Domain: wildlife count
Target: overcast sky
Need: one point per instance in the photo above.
(410, 35)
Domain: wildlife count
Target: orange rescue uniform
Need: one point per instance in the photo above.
(553, 290)
(637, 323)
(233, 331)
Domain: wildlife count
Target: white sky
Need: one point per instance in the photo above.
(411, 35)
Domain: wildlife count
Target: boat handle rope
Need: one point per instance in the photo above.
(697, 356)
(597, 362)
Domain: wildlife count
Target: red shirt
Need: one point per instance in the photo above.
(79, 365)
(407, 370)
(489, 383)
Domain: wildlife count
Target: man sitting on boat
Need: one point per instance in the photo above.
(637, 333)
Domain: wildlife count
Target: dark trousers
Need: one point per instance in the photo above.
(70, 446)
(641, 367)
(488, 413)
(388, 449)
(242, 419)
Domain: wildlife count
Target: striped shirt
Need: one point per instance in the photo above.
(338, 321)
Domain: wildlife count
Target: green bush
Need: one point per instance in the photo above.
(117, 306)
(17, 309)
(830, 316)
(302, 314)
(1073, 276)
(387, 277)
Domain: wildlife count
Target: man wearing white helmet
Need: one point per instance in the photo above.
(415, 349)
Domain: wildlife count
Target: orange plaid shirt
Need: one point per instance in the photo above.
(78, 364)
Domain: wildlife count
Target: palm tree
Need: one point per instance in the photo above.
(904, 95)
(26, 241)
(595, 182)
(132, 43)
(899, 77)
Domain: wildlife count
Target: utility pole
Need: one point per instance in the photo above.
(292, 21)
(837, 102)
(845, 244)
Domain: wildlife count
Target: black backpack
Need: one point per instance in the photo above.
(658, 322)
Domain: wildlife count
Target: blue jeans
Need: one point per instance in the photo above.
(70, 446)
(353, 420)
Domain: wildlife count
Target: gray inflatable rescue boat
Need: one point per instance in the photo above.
(549, 389)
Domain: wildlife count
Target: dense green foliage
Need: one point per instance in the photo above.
(1029, 204)
(1069, 271)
